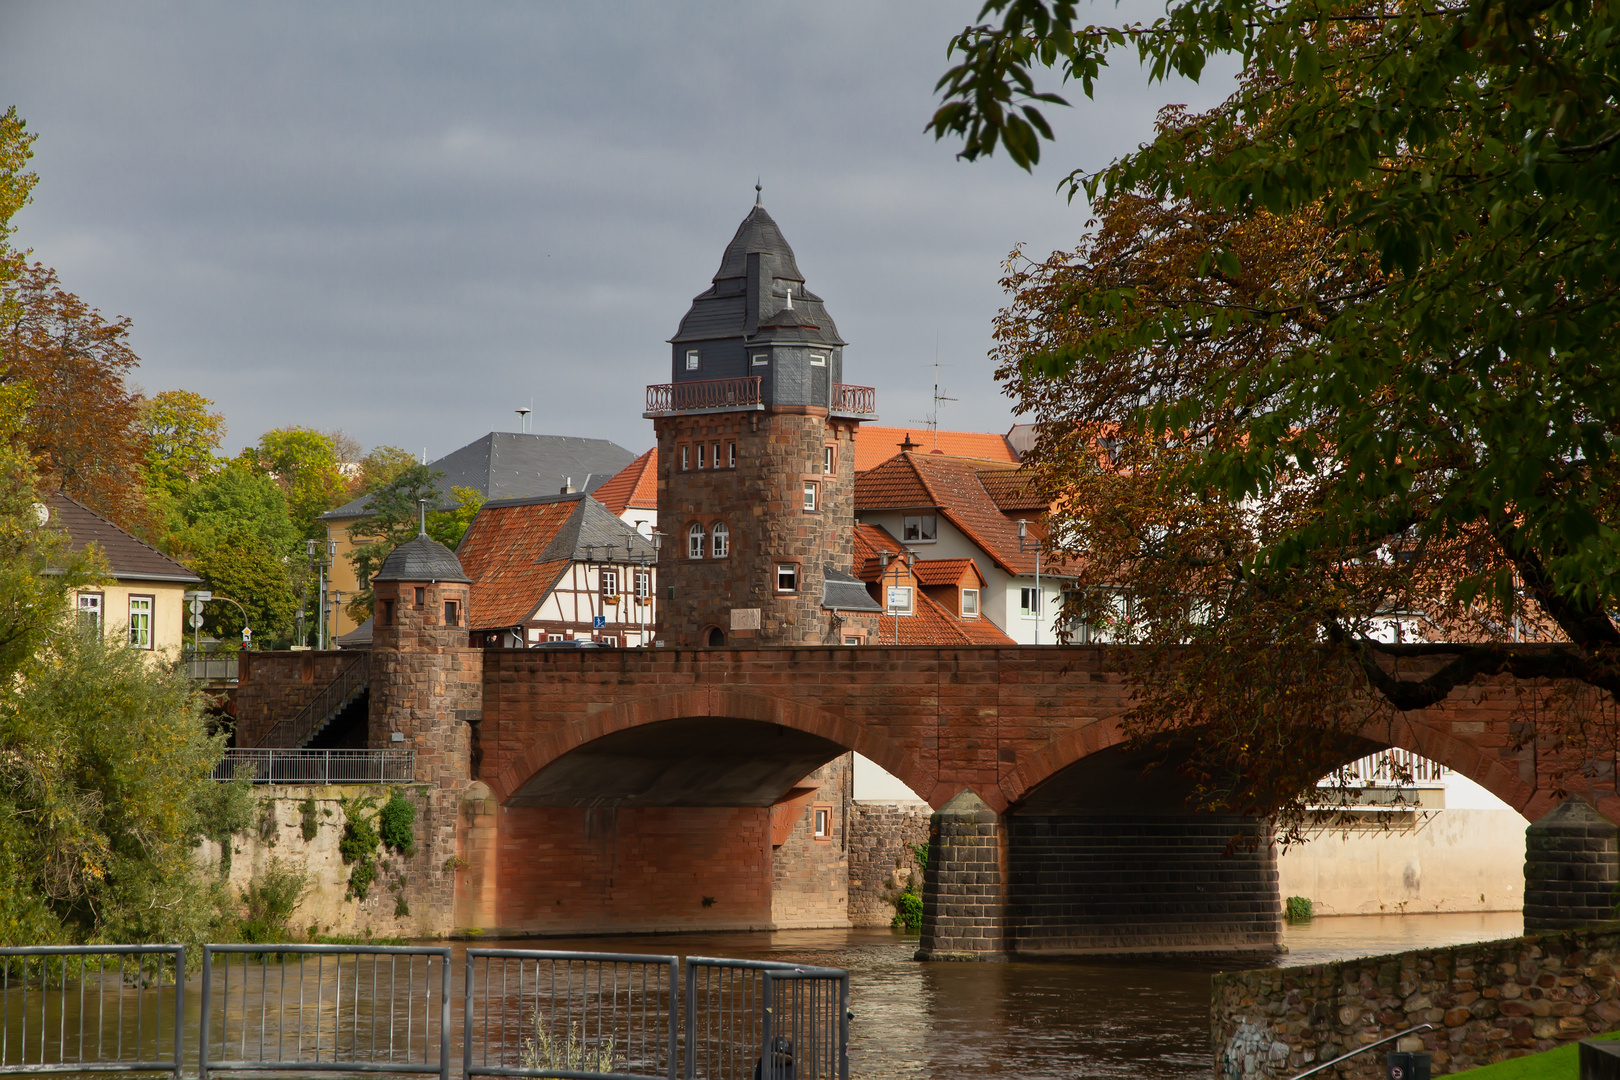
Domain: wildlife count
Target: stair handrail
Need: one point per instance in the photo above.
(1346, 1057)
(353, 677)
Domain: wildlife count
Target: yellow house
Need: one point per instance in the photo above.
(144, 605)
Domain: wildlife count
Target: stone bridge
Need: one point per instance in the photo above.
(591, 791)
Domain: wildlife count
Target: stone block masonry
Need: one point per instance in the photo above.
(1488, 1001)
(1571, 867)
(964, 898)
(881, 860)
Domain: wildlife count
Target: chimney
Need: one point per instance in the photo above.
(568, 486)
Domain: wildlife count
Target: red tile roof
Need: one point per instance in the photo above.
(635, 485)
(946, 571)
(874, 445)
(500, 553)
(933, 625)
(955, 487)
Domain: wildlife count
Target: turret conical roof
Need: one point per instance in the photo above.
(421, 559)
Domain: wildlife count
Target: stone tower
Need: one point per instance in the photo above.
(427, 689)
(756, 462)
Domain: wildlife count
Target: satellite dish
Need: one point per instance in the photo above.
(42, 513)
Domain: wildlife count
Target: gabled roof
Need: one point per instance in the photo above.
(128, 558)
(931, 624)
(511, 465)
(516, 550)
(953, 487)
(875, 445)
(1012, 490)
(634, 486)
(946, 571)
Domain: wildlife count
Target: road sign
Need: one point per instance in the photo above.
(247, 635)
(598, 622)
(196, 609)
(196, 622)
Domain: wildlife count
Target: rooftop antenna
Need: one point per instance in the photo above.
(933, 417)
(523, 412)
(759, 193)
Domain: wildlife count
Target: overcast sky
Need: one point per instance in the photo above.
(405, 221)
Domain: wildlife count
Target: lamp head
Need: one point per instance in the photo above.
(1023, 529)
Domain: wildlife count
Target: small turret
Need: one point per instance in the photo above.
(421, 598)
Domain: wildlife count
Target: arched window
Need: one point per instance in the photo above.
(694, 541)
(722, 540)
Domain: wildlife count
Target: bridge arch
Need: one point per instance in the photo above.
(712, 704)
(1428, 737)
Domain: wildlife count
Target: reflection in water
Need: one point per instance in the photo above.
(1147, 1018)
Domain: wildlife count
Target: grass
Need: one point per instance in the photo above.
(1559, 1064)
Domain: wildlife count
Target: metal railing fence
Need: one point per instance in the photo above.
(209, 668)
(325, 1008)
(93, 1008)
(790, 1021)
(318, 766)
(570, 1014)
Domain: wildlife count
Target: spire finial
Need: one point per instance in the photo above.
(759, 197)
(422, 504)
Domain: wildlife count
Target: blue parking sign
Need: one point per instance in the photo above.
(598, 622)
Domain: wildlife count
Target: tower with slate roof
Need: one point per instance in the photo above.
(756, 460)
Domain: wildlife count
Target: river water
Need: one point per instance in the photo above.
(1145, 1019)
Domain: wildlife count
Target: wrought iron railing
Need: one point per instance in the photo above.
(296, 730)
(860, 400)
(705, 394)
(268, 765)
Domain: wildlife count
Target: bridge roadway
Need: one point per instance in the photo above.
(1048, 840)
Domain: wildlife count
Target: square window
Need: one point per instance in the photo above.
(811, 490)
(90, 607)
(818, 359)
(920, 527)
(761, 359)
(821, 822)
(691, 359)
(970, 603)
(827, 460)
(452, 613)
(685, 464)
(787, 577)
(731, 455)
(899, 600)
(140, 622)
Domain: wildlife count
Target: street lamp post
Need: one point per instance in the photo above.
(321, 557)
(1025, 545)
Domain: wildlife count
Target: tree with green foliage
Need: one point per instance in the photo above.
(396, 517)
(182, 440)
(1416, 414)
(16, 183)
(305, 464)
(381, 466)
(240, 497)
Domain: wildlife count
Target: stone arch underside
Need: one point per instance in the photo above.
(695, 748)
(1096, 767)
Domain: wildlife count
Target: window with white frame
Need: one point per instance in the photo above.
(716, 456)
(1029, 603)
(722, 540)
(643, 584)
(555, 637)
(609, 578)
(823, 822)
(700, 455)
(685, 459)
(787, 577)
(761, 359)
(694, 541)
(691, 359)
(920, 528)
(970, 603)
(899, 600)
(812, 492)
(818, 359)
(90, 607)
(140, 622)
(731, 455)
(827, 460)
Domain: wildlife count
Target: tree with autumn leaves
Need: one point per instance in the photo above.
(1337, 356)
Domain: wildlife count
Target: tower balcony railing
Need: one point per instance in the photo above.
(717, 394)
(854, 400)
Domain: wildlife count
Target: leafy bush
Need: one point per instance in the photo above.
(358, 845)
(268, 904)
(908, 909)
(394, 823)
(1299, 909)
(306, 819)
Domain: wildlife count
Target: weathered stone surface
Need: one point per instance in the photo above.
(881, 860)
(1571, 867)
(1324, 1010)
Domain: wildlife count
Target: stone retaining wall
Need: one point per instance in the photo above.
(1488, 1001)
(881, 860)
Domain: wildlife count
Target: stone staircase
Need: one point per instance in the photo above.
(327, 705)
